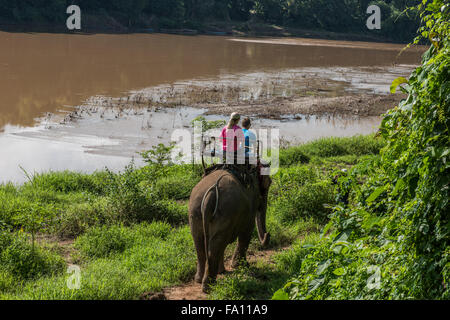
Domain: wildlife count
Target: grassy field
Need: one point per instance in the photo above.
(129, 234)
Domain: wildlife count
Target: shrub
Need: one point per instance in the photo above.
(175, 187)
(292, 156)
(11, 206)
(308, 201)
(7, 281)
(168, 211)
(24, 261)
(398, 231)
(104, 241)
(334, 146)
(67, 181)
(127, 195)
(158, 256)
(76, 219)
(293, 177)
(331, 147)
(291, 259)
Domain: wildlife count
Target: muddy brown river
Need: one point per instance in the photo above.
(44, 76)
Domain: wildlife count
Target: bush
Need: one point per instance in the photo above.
(308, 201)
(291, 259)
(334, 146)
(24, 261)
(298, 193)
(11, 206)
(292, 156)
(398, 230)
(158, 256)
(168, 211)
(76, 219)
(7, 281)
(128, 196)
(100, 242)
(67, 182)
(293, 177)
(105, 241)
(331, 147)
(175, 187)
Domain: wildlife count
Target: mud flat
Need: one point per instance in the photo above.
(311, 91)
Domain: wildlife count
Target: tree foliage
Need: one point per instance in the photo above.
(393, 241)
(328, 15)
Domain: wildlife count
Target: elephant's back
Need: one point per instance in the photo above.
(227, 181)
(226, 178)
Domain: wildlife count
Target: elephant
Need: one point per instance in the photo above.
(221, 210)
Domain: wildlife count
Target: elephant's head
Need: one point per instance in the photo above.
(264, 184)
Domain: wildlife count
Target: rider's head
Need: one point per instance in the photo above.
(246, 123)
(234, 120)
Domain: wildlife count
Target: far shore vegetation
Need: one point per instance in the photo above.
(337, 19)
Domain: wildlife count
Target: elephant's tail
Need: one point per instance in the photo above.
(205, 217)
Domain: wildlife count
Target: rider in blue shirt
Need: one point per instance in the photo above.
(250, 137)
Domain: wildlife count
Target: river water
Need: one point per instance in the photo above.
(53, 73)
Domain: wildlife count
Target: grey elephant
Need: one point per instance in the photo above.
(221, 210)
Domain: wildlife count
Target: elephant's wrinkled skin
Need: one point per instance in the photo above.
(237, 210)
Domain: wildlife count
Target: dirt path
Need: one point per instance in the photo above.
(193, 290)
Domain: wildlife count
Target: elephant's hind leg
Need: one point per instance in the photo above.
(199, 241)
(201, 262)
(221, 268)
(239, 256)
(215, 259)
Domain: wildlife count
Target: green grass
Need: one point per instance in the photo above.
(260, 280)
(331, 147)
(300, 192)
(23, 261)
(130, 232)
(105, 241)
(69, 182)
(126, 263)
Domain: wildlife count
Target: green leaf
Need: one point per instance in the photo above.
(396, 83)
(339, 271)
(398, 186)
(376, 194)
(280, 295)
(326, 228)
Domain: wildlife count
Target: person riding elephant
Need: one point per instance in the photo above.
(250, 141)
(221, 210)
(232, 140)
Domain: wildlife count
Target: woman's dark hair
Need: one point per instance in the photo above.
(246, 122)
